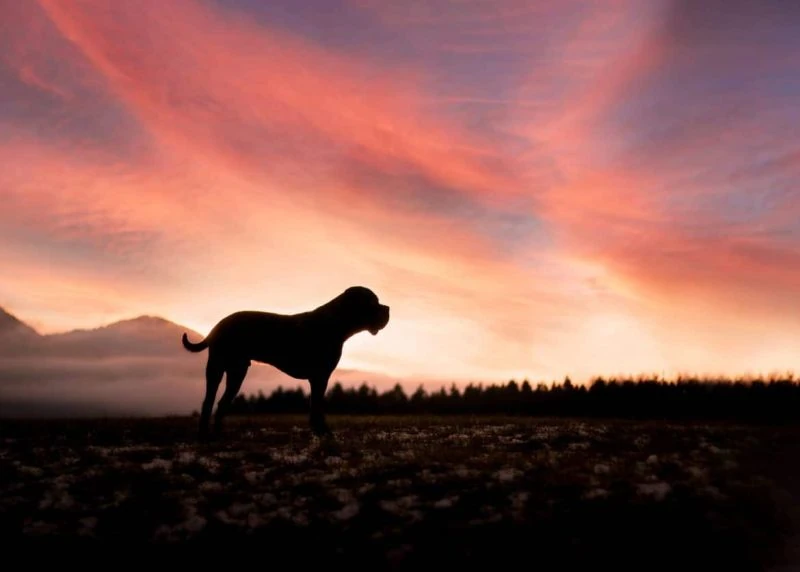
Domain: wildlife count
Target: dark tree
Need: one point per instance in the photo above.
(775, 399)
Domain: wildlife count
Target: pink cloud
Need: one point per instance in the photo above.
(262, 100)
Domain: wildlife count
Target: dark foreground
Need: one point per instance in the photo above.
(407, 492)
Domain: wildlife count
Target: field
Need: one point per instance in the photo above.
(403, 492)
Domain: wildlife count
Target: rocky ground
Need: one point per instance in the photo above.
(409, 491)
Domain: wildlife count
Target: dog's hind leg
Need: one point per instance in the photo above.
(214, 373)
(233, 383)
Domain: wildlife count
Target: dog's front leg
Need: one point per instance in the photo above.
(319, 385)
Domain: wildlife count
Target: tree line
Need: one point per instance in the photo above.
(774, 399)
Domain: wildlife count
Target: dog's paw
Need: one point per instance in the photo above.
(321, 431)
(206, 437)
(326, 442)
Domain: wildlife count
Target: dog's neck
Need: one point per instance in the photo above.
(343, 333)
(339, 331)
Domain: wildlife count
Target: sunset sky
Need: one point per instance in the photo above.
(536, 188)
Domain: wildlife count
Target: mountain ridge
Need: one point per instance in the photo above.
(9, 320)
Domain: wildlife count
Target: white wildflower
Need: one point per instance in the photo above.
(119, 498)
(518, 500)
(344, 496)
(158, 463)
(697, 472)
(64, 502)
(579, 446)
(210, 486)
(463, 472)
(133, 449)
(601, 469)
(239, 510)
(39, 527)
(400, 505)
(195, 523)
(300, 518)
(88, 525)
(488, 520)
(414, 515)
(347, 512)
(446, 502)
(265, 499)
(365, 488)
(290, 458)
(713, 492)
(210, 464)
(507, 475)
(31, 471)
(400, 483)
(57, 498)
(164, 533)
(657, 490)
(334, 475)
(223, 516)
(255, 520)
(253, 477)
(63, 481)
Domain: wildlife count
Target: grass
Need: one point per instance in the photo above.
(403, 492)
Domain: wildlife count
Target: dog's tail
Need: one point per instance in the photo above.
(198, 347)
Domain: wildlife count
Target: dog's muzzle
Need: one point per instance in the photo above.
(382, 320)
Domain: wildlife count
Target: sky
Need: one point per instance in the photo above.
(536, 188)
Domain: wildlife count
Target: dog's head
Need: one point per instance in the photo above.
(361, 305)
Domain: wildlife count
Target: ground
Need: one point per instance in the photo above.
(403, 492)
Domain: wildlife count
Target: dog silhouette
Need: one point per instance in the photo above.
(306, 345)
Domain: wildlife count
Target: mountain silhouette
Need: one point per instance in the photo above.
(150, 335)
(146, 334)
(11, 326)
(133, 366)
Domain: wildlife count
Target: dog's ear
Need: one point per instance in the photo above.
(358, 291)
(361, 295)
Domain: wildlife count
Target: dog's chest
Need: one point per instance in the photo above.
(300, 356)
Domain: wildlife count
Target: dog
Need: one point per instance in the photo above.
(304, 346)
